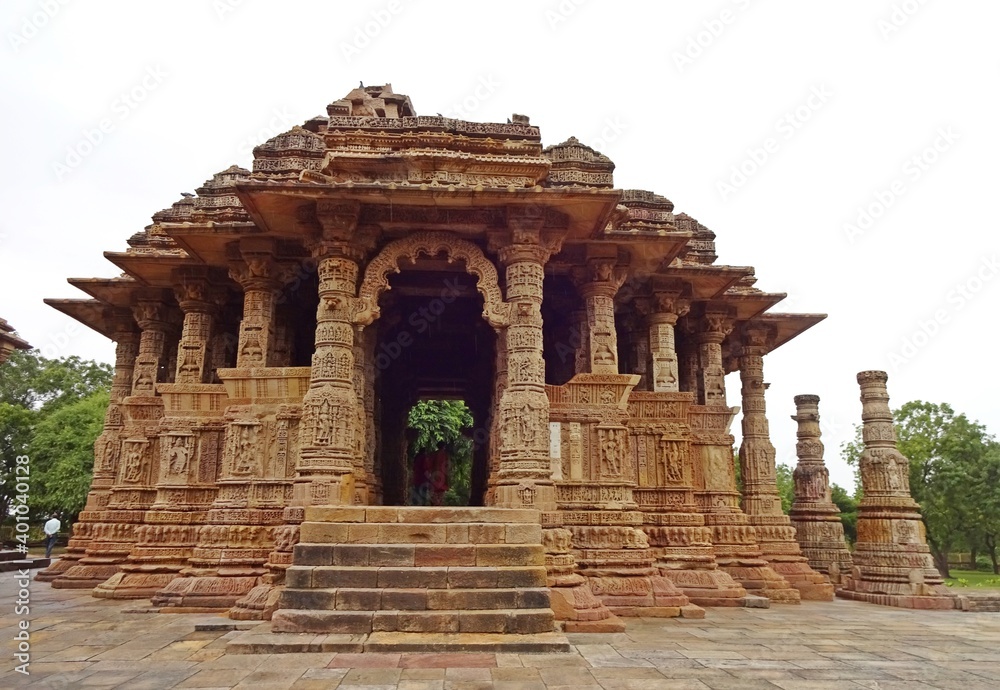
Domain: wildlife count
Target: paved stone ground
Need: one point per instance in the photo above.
(81, 642)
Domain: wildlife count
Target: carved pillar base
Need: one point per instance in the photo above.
(618, 564)
(680, 541)
(262, 601)
(776, 538)
(821, 539)
(574, 605)
(684, 555)
(734, 538)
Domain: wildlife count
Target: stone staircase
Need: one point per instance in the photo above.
(460, 572)
(15, 560)
(979, 602)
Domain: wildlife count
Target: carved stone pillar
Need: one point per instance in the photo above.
(667, 308)
(711, 379)
(523, 478)
(499, 388)
(814, 516)
(200, 303)
(190, 439)
(331, 470)
(132, 491)
(688, 361)
(107, 447)
(761, 501)
(597, 285)
(640, 352)
(261, 278)
(658, 424)
(364, 383)
(892, 562)
(734, 539)
(333, 465)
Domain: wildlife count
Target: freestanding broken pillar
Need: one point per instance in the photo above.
(892, 562)
(816, 519)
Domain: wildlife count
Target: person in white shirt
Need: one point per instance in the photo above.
(51, 529)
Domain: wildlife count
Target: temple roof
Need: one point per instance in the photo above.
(409, 172)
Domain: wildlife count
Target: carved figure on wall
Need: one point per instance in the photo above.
(252, 351)
(611, 453)
(245, 461)
(178, 455)
(134, 462)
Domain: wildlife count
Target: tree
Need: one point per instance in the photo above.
(440, 422)
(34, 382)
(62, 463)
(950, 465)
(786, 486)
(33, 391)
(848, 506)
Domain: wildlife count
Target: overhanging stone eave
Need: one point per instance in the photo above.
(708, 282)
(749, 305)
(650, 255)
(90, 312)
(284, 208)
(116, 292)
(151, 269)
(206, 243)
(788, 325)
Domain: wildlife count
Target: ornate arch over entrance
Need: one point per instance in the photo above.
(376, 278)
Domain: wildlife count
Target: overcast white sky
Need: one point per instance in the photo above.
(829, 108)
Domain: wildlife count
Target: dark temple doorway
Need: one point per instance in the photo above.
(434, 352)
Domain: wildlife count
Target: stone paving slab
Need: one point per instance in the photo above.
(79, 642)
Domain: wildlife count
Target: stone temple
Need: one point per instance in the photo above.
(274, 329)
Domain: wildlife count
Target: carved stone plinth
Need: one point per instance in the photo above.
(680, 541)
(257, 468)
(115, 529)
(595, 496)
(892, 562)
(190, 440)
(816, 519)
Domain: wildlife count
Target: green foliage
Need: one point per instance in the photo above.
(443, 422)
(62, 463)
(52, 407)
(972, 578)
(786, 486)
(848, 506)
(954, 476)
(31, 381)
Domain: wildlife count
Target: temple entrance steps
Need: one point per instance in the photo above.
(439, 578)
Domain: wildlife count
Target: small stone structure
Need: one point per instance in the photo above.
(9, 342)
(814, 516)
(892, 562)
